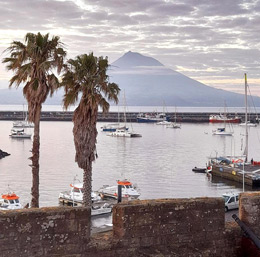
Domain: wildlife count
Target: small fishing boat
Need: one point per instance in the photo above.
(19, 134)
(75, 195)
(10, 201)
(128, 191)
(220, 118)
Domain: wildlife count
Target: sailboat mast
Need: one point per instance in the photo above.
(246, 148)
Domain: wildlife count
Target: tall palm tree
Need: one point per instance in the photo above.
(33, 64)
(86, 77)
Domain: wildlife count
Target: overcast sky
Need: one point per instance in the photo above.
(212, 41)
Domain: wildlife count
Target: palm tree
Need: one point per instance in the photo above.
(33, 63)
(86, 77)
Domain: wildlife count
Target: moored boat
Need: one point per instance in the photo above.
(19, 134)
(10, 201)
(112, 127)
(123, 132)
(75, 195)
(222, 132)
(219, 118)
(128, 191)
(152, 117)
(199, 170)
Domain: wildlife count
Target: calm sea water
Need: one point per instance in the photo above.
(159, 163)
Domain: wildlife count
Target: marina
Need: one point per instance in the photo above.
(159, 164)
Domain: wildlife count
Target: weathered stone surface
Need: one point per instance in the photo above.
(164, 227)
(44, 232)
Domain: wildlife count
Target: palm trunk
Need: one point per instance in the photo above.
(87, 185)
(35, 161)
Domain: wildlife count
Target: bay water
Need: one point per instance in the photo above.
(159, 163)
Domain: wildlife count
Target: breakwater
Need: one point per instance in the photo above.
(115, 117)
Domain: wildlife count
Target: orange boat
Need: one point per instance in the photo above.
(10, 201)
(128, 191)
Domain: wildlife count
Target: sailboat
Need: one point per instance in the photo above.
(174, 124)
(222, 130)
(124, 131)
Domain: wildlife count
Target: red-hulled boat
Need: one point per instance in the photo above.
(223, 118)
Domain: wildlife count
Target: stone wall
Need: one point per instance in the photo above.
(169, 227)
(44, 232)
(249, 213)
(165, 227)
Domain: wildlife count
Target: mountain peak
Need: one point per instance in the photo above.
(133, 59)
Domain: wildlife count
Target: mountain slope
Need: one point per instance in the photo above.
(146, 81)
(151, 83)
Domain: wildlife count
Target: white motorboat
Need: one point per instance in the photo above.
(10, 201)
(222, 132)
(19, 134)
(123, 132)
(128, 191)
(75, 195)
(99, 210)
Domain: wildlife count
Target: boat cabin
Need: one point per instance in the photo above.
(10, 201)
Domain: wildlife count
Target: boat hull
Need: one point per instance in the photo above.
(237, 120)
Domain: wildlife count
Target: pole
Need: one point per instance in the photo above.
(119, 193)
(246, 149)
(243, 176)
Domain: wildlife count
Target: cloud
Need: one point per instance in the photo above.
(200, 38)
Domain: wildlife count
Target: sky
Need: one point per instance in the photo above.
(212, 41)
